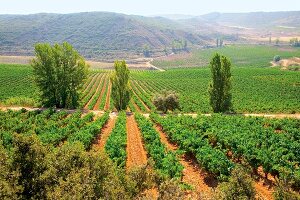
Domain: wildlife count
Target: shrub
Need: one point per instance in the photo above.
(167, 100)
(276, 58)
(239, 186)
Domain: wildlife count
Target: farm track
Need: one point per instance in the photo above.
(136, 154)
(107, 101)
(104, 133)
(96, 107)
(96, 91)
(192, 172)
(275, 116)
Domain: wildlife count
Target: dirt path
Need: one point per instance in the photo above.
(107, 102)
(136, 154)
(105, 132)
(192, 173)
(96, 107)
(137, 108)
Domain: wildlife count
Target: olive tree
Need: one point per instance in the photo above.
(167, 100)
(120, 91)
(220, 86)
(59, 73)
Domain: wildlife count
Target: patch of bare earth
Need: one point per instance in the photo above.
(286, 63)
(136, 154)
(104, 133)
(193, 175)
(96, 91)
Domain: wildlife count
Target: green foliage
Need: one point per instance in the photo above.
(120, 92)
(253, 140)
(276, 58)
(257, 90)
(219, 89)
(167, 100)
(88, 133)
(116, 143)
(239, 186)
(59, 73)
(165, 161)
(212, 159)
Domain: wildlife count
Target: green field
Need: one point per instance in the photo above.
(241, 56)
(263, 90)
(255, 90)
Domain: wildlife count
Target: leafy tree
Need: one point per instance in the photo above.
(59, 73)
(167, 100)
(239, 186)
(219, 88)
(120, 92)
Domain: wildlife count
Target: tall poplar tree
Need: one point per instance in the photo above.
(120, 92)
(220, 86)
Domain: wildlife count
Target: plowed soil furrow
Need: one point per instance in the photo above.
(107, 102)
(192, 173)
(138, 97)
(96, 107)
(136, 154)
(97, 84)
(105, 132)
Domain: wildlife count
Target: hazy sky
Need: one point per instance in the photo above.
(143, 7)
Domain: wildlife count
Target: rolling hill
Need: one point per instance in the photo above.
(107, 36)
(94, 34)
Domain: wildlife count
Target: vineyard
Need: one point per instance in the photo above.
(255, 90)
(217, 143)
(198, 152)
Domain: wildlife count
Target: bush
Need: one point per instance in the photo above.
(167, 100)
(276, 58)
(239, 186)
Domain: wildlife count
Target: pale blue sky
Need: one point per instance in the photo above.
(142, 7)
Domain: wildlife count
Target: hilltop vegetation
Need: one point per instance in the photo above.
(95, 34)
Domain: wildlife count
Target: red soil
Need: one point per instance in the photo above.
(192, 173)
(136, 154)
(105, 132)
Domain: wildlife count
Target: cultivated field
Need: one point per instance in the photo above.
(200, 151)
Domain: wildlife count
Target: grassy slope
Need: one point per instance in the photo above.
(241, 56)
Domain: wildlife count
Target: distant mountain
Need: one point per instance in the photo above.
(255, 19)
(94, 34)
(105, 35)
